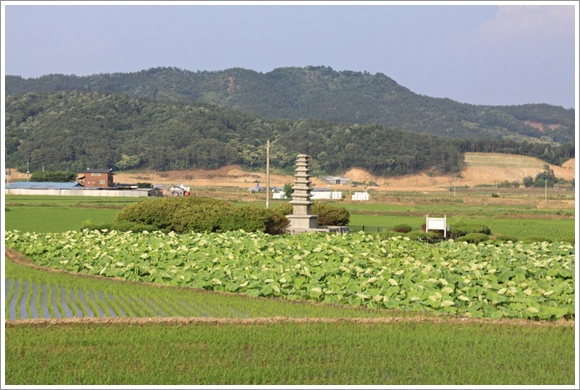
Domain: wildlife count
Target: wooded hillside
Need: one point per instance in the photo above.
(78, 130)
(319, 92)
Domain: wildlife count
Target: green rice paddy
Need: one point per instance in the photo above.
(302, 344)
(289, 353)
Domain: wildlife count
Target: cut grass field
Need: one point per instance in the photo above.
(203, 338)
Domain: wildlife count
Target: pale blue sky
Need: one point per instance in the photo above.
(479, 54)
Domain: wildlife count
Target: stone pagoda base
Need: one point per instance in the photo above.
(300, 223)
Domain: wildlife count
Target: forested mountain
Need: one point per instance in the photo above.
(78, 130)
(324, 94)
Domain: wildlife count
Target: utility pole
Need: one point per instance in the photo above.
(545, 189)
(454, 186)
(268, 174)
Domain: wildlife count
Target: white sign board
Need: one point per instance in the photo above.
(436, 224)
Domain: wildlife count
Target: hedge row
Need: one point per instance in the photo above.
(328, 215)
(194, 214)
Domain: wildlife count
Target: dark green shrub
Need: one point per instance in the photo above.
(505, 238)
(284, 208)
(276, 222)
(441, 235)
(252, 219)
(58, 176)
(474, 238)
(193, 214)
(288, 190)
(199, 215)
(328, 215)
(460, 230)
(424, 236)
(403, 228)
(528, 181)
(175, 214)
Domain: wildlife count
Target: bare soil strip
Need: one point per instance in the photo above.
(481, 168)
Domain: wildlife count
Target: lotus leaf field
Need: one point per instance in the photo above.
(487, 280)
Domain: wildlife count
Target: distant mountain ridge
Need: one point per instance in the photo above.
(319, 92)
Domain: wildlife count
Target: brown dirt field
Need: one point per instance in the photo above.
(235, 176)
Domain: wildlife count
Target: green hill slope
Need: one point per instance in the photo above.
(76, 130)
(321, 93)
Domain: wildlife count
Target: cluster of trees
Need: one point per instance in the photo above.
(54, 176)
(319, 92)
(544, 178)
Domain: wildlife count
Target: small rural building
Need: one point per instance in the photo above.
(280, 194)
(70, 189)
(96, 178)
(324, 193)
(360, 196)
(257, 188)
(39, 188)
(335, 179)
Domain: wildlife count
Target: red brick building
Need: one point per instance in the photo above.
(96, 178)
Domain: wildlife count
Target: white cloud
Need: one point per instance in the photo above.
(531, 21)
